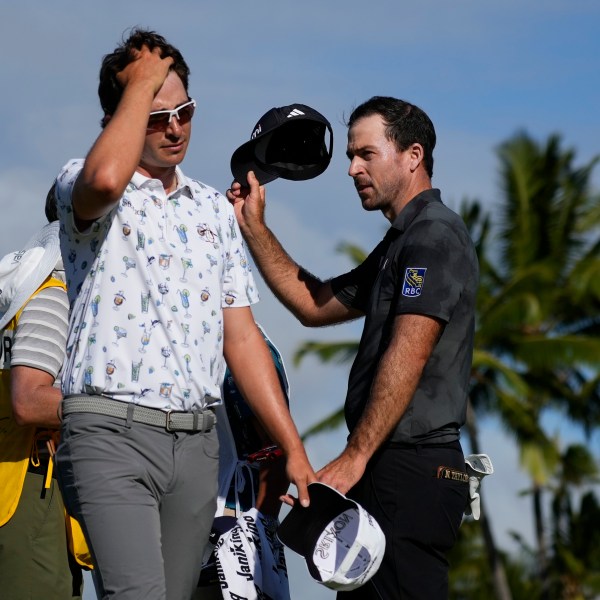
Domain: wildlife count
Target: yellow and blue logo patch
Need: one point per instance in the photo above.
(414, 278)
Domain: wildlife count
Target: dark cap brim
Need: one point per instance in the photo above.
(243, 160)
(302, 527)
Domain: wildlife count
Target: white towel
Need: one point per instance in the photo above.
(478, 466)
(250, 560)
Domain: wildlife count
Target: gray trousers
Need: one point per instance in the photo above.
(145, 498)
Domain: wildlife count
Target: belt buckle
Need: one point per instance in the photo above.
(168, 421)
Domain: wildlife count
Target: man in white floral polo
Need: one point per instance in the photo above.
(160, 291)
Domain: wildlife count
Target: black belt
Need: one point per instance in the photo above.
(170, 420)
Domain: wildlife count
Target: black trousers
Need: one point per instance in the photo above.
(419, 513)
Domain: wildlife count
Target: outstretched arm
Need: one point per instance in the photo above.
(311, 300)
(251, 365)
(413, 340)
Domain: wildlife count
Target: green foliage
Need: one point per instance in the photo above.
(333, 421)
(339, 352)
(356, 254)
(470, 573)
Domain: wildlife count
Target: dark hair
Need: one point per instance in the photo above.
(406, 124)
(50, 208)
(110, 90)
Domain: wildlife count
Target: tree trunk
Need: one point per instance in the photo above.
(542, 554)
(499, 579)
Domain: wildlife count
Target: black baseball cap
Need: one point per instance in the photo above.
(288, 142)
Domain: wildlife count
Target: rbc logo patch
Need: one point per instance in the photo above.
(414, 277)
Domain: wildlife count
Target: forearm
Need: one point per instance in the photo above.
(262, 390)
(306, 296)
(396, 380)
(34, 399)
(249, 360)
(297, 289)
(391, 394)
(115, 155)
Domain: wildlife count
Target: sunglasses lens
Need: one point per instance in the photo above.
(158, 122)
(186, 113)
(161, 119)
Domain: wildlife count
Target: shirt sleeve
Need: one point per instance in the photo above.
(432, 269)
(64, 202)
(239, 287)
(64, 190)
(41, 334)
(354, 288)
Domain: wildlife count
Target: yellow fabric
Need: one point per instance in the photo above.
(15, 447)
(77, 544)
(18, 446)
(16, 442)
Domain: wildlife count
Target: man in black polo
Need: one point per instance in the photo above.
(407, 389)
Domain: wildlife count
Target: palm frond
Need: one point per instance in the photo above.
(543, 352)
(333, 421)
(352, 251)
(339, 352)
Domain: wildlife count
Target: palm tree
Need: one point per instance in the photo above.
(574, 563)
(542, 289)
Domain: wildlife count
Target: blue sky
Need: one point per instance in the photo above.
(481, 70)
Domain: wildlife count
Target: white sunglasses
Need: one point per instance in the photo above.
(159, 120)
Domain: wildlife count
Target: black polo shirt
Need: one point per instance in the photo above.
(426, 265)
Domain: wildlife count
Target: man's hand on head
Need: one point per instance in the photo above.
(149, 66)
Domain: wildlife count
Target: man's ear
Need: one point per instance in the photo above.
(416, 156)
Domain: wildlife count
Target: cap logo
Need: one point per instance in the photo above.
(414, 278)
(330, 535)
(256, 132)
(18, 256)
(295, 113)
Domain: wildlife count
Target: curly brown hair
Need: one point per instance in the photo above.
(109, 89)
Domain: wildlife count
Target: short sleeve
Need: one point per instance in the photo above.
(353, 289)
(64, 191)
(40, 338)
(432, 267)
(239, 287)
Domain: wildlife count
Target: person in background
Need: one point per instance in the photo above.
(34, 558)
(160, 292)
(407, 390)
